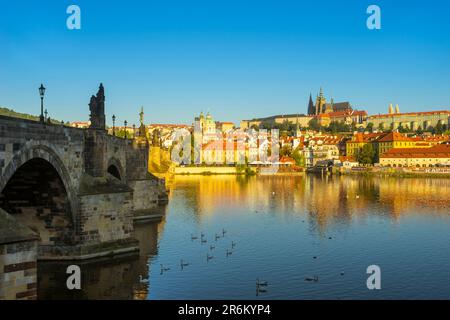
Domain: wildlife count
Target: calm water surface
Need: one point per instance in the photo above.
(279, 224)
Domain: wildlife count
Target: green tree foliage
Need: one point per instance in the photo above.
(286, 150)
(313, 124)
(11, 113)
(438, 129)
(299, 158)
(338, 126)
(366, 154)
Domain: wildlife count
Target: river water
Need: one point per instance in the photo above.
(281, 230)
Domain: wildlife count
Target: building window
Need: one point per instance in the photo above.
(2, 147)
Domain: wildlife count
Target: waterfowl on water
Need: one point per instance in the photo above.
(164, 269)
(183, 264)
(315, 279)
(261, 283)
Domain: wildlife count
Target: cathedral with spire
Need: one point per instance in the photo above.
(321, 106)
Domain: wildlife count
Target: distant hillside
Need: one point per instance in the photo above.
(11, 113)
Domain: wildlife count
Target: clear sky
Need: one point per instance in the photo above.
(237, 59)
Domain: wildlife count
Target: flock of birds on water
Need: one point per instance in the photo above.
(261, 285)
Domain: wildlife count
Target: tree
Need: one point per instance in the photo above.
(366, 154)
(369, 127)
(338, 126)
(313, 124)
(419, 130)
(267, 124)
(299, 158)
(286, 150)
(402, 129)
(439, 129)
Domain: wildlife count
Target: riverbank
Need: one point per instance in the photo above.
(391, 172)
(231, 170)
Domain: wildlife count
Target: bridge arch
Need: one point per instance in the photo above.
(115, 168)
(36, 187)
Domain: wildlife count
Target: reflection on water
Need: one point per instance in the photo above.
(106, 278)
(285, 229)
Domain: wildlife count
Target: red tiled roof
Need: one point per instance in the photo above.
(395, 136)
(367, 137)
(286, 159)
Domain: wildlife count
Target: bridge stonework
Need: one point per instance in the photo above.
(78, 189)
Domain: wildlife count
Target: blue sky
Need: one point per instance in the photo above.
(237, 59)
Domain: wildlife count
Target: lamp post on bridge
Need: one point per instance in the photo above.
(134, 130)
(125, 124)
(114, 124)
(42, 93)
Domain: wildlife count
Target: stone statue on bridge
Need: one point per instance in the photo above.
(97, 109)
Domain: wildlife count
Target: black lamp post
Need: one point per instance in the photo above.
(114, 124)
(134, 130)
(125, 124)
(46, 114)
(42, 93)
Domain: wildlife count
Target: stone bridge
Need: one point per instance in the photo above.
(78, 190)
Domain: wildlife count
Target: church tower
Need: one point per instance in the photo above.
(391, 109)
(311, 107)
(330, 106)
(320, 103)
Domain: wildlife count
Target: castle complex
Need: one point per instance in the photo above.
(321, 106)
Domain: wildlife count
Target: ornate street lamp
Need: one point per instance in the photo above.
(46, 114)
(134, 130)
(42, 93)
(114, 124)
(125, 124)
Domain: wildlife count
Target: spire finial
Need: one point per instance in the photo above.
(141, 115)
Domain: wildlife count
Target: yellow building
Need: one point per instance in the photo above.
(359, 140)
(226, 127)
(412, 120)
(396, 140)
(301, 120)
(383, 142)
(415, 157)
